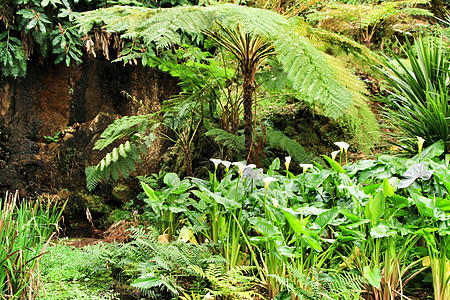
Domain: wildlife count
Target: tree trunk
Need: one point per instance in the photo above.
(248, 91)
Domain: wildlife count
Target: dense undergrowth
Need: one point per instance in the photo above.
(372, 229)
(365, 229)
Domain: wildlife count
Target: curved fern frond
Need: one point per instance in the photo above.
(121, 160)
(232, 141)
(163, 26)
(277, 139)
(310, 74)
(124, 126)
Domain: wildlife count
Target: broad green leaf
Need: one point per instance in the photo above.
(428, 234)
(327, 217)
(265, 227)
(373, 276)
(381, 231)
(286, 251)
(275, 165)
(172, 180)
(357, 224)
(296, 225)
(147, 281)
(427, 208)
(149, 192)
(313, 243)
(334, 165)
(229, 204)
(435, 150)
(388, 190)
(283, 295)
(375, 208)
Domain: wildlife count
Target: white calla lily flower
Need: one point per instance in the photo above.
(343, 146)
(268, 180)
(275, 202)
(241, 167)
(227, 164)
(334, 154)
(420, 142)
(216, 162)
(306, 167)
(287, 162)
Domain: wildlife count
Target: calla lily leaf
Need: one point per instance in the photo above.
(417, 171)
(373, 276)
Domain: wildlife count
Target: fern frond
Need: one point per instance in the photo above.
(277, 139)
(232, 141)
(124, 126)
(309, 73)
(121, 160)
(359, 117)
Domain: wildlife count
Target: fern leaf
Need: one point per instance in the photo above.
(232, 141)
(124, 126)
(277, 139)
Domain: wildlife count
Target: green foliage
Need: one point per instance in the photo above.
(273, 140)
(370, 19)
(122, 159)
(38, 26)
(12, 56)
(71, 273)
(232, 284)
(232, 141)
(25, 233)
(170, 268)
(345, 286)
(419, 105)
(307, 68)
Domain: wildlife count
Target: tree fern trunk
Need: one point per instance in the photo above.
(248, 91)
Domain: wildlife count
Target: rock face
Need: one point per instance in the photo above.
(50, 120)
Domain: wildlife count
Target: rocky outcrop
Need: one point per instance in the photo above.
(50, 120)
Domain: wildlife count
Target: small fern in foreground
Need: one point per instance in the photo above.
(170, 270)
(232, 284)
(330, 286)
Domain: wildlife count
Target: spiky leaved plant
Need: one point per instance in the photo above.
(419, 102)
(250, 50)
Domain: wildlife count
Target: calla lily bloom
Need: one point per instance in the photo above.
(268, 180)
(216, 162)
(227, 164)
(342, 145)
(251, 166)
(275, 202)
(241, 167)
(334, 154)
(420, 142)
(306, 167)
(288, 161)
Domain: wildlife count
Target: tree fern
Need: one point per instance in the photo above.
(307, 68)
